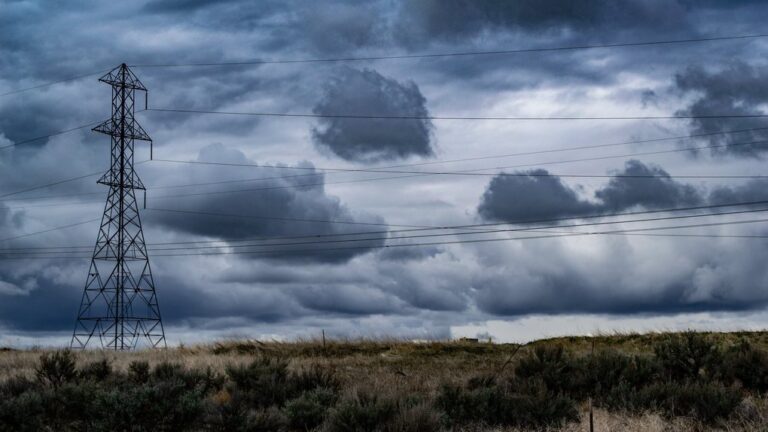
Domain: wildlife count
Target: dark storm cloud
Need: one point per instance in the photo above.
(181, 5)
(345, 299)
(286, 203)
(658, 191)
(530, 197)
(366, 92)
(752, 191)
(539, 195)
(462, 19)
(739, 89)
(37, 301)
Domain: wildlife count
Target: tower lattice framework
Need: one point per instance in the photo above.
(119, 307)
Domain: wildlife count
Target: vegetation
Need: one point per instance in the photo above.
(690, 381)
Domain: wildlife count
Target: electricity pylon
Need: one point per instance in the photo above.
(119, 305)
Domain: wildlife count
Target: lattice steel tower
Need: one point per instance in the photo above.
(119, 305)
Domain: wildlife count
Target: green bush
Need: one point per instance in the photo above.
(313, 378)
(262, 383)
(363, 412)
(138, 372)
(309, 410)
(747, 365)
(417, 418)
(551, 364)
(706, 402)
(15, 386)
(269, 420)
(688, 356)
(99, 370)
(167, 405)
(606, 370)
(23, 412)
(56, 368)
(520, 402)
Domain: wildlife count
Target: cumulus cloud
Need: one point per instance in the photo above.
(367, 92)
(287, 203)
(739, 89)
(647, 186)
(536, 194)
(530, 195)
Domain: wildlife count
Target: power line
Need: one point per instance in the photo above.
(56, 183)
(473, 172)
(467, 226)
(458, 227)
(48, 84)
(371, 247)
(49, 230)
(52, 134)
(405, 244)
(464, 233)
(420, 173)
(454, 54)
(476, 232)
(489, 118)
(404, 56)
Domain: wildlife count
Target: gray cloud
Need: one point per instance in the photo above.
(540, 196)
(754, 190)
(364, 92)
(290, 203)
(530, 197)
(739, 89)
(457, 19)
(660, 191)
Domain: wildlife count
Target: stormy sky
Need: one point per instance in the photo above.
(278, 178)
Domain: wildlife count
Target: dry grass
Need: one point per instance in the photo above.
(396, 367)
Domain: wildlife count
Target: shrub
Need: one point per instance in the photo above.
(521, 402)
(552, 365)
(167, 405)
(165, 371)
(688, 356)
(22, 412)
(262, 383)
(138, 371)
(705, 402)
(269, 420)
(606, 370)
(418, 418)
(309, 410)
(748, 365)
(99, 370)
(313, 378)
(363, 412)
(15, 386)
(56, 368)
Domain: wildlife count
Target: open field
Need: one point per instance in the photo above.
(652, 382)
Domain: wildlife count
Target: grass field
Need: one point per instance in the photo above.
(650, 382)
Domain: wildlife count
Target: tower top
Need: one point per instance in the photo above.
(123, 76)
